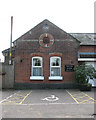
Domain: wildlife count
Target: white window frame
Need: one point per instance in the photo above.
(55, 77)
(37, 77)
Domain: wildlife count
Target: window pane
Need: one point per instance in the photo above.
(36, 62)
(55, 62)
(37, 71)
(55, 71)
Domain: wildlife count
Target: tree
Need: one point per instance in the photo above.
(84, 72)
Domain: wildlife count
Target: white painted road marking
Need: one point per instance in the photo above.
(34, 104)
(52, 98)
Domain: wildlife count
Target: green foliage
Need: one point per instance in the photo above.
(84, 72)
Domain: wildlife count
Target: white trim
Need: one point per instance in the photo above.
(36, 77)
(86, 59)
(55, 66)
(37, 66)
(55, 78)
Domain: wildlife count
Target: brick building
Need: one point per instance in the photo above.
(45, 56)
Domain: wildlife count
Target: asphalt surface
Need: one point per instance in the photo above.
(59, 103)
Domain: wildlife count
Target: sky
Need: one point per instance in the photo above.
(73, 16)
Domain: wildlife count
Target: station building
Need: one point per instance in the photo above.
(45, 56)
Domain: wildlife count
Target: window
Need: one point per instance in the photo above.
(86, 56)
(37, 68)
(55, 68)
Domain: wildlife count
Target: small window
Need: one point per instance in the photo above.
(37, 66)
(37, 62)
(55, 66)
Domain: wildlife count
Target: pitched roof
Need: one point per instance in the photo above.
(39, 29)
(8, 50)
(85, 38)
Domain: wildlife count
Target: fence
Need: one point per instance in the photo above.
(7, 76)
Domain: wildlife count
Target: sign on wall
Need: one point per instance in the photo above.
(69, 68)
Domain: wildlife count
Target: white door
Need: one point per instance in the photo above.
(93, 82)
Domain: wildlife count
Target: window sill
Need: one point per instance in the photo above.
(36, 78)
(55, 78)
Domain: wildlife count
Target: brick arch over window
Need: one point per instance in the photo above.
(36, 54)
(55, 54)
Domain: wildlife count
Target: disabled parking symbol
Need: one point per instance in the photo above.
(51, 98)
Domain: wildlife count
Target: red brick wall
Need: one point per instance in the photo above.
(67, 50)
(65, 46)
(87, 48)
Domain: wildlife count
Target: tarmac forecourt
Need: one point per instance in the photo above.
(16, 98)
(48, 97)
(81, 97)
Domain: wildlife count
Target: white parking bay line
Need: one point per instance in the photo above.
(48, 104)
